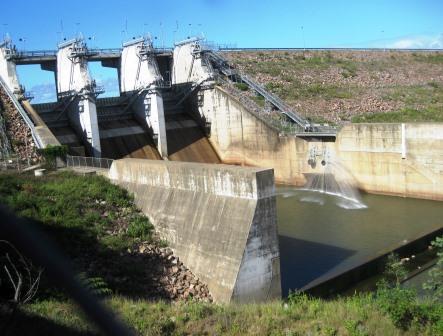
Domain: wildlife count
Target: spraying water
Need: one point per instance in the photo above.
(334, 179)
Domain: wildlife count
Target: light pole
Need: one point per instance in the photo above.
(22, 39)
(189, 24)
(303, 38)
(175, 31)
(163, 37)
(77, 24)
(5, 33)
(383, 40)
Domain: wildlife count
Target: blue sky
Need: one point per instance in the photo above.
(243, 23)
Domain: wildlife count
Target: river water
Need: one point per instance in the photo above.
(322, 236)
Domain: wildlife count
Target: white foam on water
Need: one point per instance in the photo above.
(337, 181)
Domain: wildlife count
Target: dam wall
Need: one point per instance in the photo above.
(220, 220)
(394, 159)
(241, 137)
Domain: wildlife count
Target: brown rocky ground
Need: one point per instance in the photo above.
(340, 86)
(18, 133)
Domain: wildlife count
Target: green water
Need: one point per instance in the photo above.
(320, 237)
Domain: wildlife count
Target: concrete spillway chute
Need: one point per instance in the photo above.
(74, 83)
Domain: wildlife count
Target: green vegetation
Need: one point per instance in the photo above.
(402, 305)
(295, 90)
(435, 283)
(436, 58)
(93, 221)
(97, 221)
(403, 115)
(51, 153)
(242, 86)
(259, 100)
(274, 64)
(383, 87)
(423, 103)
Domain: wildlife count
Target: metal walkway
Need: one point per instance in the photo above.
(42, 56)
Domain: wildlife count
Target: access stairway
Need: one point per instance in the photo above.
(306, 128)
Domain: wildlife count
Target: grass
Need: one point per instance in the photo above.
(295, 90)
(93, 222)
(282, 73)
(81, 211)
(356, 315)
(423, 103)
(435, 58)
(434, 114)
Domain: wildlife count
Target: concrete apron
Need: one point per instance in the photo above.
(220, 220)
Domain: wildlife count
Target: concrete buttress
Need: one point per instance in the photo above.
(220, 220)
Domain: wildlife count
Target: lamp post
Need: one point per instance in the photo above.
(383, 41)
(5, 33)
(303, 38)
(77, 24)
(23, 40)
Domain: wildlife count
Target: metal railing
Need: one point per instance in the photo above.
(22, 112)
(277, 102)
(92, 162)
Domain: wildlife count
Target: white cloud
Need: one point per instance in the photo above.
(418, 42)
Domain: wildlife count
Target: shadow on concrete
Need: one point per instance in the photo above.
(138, 145)
(303, 261)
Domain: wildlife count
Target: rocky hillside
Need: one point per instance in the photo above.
(359, 86)
(17, 132)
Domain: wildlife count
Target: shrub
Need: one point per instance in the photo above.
(140, 227)
(242, 86)
(398, 304)
(51, 153)
(435, 283)
(95, 285)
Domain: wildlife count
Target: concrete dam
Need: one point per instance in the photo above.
(217, 207)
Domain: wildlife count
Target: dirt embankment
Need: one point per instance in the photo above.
(340, 86)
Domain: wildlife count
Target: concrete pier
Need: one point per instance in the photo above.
(219, 219)
(77, 89)
(8, 71)
(140, 79)
(189, 63)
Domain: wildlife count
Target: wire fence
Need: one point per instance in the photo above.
(83, 161)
